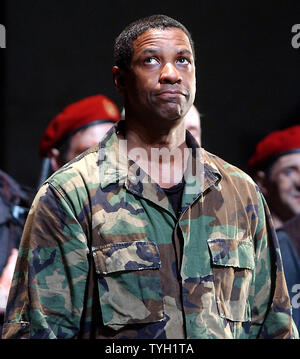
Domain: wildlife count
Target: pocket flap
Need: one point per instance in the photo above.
(232, 252)
(126, 256)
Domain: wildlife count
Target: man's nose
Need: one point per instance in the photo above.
(296, 181)
(170, 74)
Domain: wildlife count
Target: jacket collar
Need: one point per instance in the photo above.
(115, 167)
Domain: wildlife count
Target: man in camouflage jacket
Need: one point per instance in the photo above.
(104, 254)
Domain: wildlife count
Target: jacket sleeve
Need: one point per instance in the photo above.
(272, 315)
(47, 294)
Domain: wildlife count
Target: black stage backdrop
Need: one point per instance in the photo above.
(57, 52)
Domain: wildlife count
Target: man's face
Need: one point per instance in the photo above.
(161, 81)
(86, 138)
(283, 192)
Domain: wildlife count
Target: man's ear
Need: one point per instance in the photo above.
(261, 179)
(55, 160)
(119, 79)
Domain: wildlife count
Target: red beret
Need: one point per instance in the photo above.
(73, 117)
(273, 145)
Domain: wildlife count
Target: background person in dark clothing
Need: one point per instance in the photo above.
(15, 202)
(275, 166)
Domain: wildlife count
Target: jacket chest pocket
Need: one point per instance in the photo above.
(129, 283)
(232, 265)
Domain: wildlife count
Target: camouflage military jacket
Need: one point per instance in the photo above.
(104, 256)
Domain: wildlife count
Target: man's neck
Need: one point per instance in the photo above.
(156, 137)
(159, 152)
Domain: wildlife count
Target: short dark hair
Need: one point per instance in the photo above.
(123, 48)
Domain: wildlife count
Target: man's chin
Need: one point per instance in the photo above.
(172, 115)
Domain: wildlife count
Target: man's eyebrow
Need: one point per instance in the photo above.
(184, 52)
(149, 51)
(154, 51)
(293, 166)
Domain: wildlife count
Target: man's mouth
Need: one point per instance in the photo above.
(171, 94)
(172, 90)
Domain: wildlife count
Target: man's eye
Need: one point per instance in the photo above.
(151, 60)
(183, 60)
(289, 171)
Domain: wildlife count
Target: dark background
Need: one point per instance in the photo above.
(57, 52)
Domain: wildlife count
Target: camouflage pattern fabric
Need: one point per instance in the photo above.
(104, 256)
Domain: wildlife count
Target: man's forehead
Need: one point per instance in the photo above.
(289, 158)
(286, 160)
(154, 39)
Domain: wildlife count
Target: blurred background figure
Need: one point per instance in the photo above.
(193, 123)
(275, 166)
(78, 127)
(15, 201)
(292, 228)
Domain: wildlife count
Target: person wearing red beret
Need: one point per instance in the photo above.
(275, 166)
(76, 128)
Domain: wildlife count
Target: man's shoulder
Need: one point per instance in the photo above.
(82, 171)
(227, 170)
(86, 170)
